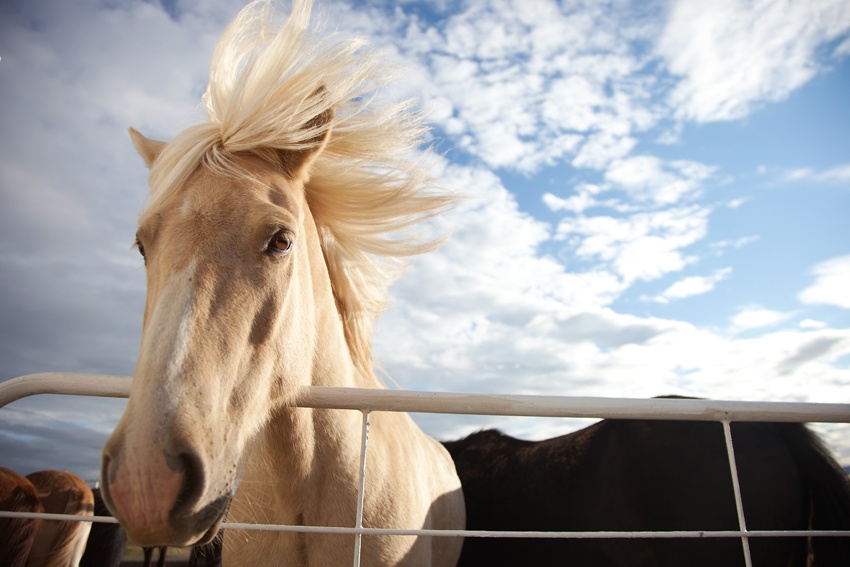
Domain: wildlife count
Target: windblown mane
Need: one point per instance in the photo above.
(266, 87)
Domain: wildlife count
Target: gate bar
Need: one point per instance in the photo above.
(361, 399)
(736, 488)
(688, 534)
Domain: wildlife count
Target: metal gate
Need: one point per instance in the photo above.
(369, 400)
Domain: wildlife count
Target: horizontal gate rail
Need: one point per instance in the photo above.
(470, 404)
(683, 534)
(369, 400)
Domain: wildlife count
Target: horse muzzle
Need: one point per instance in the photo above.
(162, 500)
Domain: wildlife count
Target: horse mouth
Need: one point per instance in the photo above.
(206, 521)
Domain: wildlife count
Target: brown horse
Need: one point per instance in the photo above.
(272, 233)
(624, 475)
(17, 494)
(61, 543)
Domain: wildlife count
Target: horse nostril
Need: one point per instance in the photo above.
(190, 466)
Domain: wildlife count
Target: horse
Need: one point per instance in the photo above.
(61, 543)
(270, 237)
(630, 475)
(17, 494)
(107, 543)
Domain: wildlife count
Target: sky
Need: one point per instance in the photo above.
(654, 200)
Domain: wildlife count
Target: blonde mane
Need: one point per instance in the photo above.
(267, 85)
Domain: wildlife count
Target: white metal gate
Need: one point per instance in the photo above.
(369, 400)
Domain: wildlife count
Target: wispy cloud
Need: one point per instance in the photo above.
(732, 55)
(523, 84)
(648, 178)
(832, 283)
(642, 246)
(692, 285)
(812, 324)
(721, 245)
(756, 317)
(839, 173)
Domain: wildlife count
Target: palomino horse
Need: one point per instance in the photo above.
(17, 494)
(107, 545)
(272, 233)
(624, 475)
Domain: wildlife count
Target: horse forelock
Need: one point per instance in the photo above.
(365, 192)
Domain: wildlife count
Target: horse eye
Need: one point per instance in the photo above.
(140, 247)
(280, 243)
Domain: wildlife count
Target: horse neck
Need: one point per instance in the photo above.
(299, 472)
(299, 448)
(333, 364)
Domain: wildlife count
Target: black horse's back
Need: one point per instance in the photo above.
(626, 475)
(829, 490)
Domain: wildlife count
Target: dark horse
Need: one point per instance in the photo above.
(625, 475)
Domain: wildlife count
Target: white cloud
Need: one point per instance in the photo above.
(839, 173)
(601, 148)
(523, 84)
(692, 285)
(843, 48)
(755, 317)
(721, 245)
(642, 246)
(648, 178)
(737, 203)
(733, 54)
(573, 102)
(476, 344)
(812, 324)
(583, 199)
(799, 174)
(832, 283)
(494, 255)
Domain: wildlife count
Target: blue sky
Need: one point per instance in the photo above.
(655, 199)
(796, 220)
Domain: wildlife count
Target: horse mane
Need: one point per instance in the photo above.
(267, 86)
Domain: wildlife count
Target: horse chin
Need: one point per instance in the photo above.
(184, 530)
(205, 522)
(220, 506)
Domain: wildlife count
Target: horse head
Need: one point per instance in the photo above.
(270, 239)
(228, 336)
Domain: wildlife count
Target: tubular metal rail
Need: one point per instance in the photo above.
(369, 400)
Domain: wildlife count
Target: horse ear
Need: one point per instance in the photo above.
(146, 147)
(297, 164)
